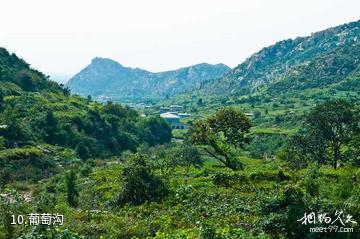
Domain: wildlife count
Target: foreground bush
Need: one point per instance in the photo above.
(141, 184)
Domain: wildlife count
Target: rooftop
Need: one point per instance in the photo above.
(169, 115)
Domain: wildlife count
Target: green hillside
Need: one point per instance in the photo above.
(42, 122)
(17, 76)
(281, 83)
(286, 59)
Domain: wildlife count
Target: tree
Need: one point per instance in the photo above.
(51, 128)
(187, 156)
(155, 131)
(82, 150)
(16, 132)
(72, 192)
(166, 158)
(66, 91)
(257, 114)
(302, 149)
(141, 184)
(329, 131)
(26, 81)
(220, 134)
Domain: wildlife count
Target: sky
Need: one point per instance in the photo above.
(60, 37)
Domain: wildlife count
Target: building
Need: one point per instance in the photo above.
(164, 110)
(183, 115)
(140, 106)
(176, 108)
(103, 99)
(173, 120)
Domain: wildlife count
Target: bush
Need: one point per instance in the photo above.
(284, 211)
(311, 181)
(26, 163)
(227, 180)
(72, 193)
(141, 184)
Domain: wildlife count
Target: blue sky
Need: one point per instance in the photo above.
(61, 37)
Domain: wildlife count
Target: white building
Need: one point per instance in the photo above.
(176, 108)
(173, 120)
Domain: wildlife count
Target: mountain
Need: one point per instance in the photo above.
(324, 58)
(107, 77)
(16, 76)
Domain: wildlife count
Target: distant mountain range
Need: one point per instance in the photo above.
(107, 77)
(326, 59)
(322, 59)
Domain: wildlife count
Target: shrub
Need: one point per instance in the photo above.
(311, 181)
(141, 184)
(72, 193)
(227, 180)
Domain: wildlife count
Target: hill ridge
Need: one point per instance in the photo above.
(104, 76)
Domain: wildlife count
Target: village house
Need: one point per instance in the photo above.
(103, 99)
(176, 108)
(164, 110)
(140, 106)
(183, 115)
(173, 120)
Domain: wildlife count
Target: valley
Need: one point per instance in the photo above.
(202, 152)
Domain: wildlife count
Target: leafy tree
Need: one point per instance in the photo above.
(16, 133)
(155, 131)
(72, 193)
(302, 149)
(26, 81)
(187, 156)
(162, 159)
(257, 114)
(141, 184)
(167, 157)
(52, 131)
(220, 133)
(330, 129)
(82, 150)
(65, 89)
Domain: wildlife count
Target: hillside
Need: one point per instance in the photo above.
(291, 60)
(279, 84)
(43, 127)
(107, 77)
(284, 153)
(17, 76)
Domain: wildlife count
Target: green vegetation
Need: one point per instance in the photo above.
(72, 192)
(228, 127)
(43, 128)
(329, 136)
(288, 117)
(141, 185)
